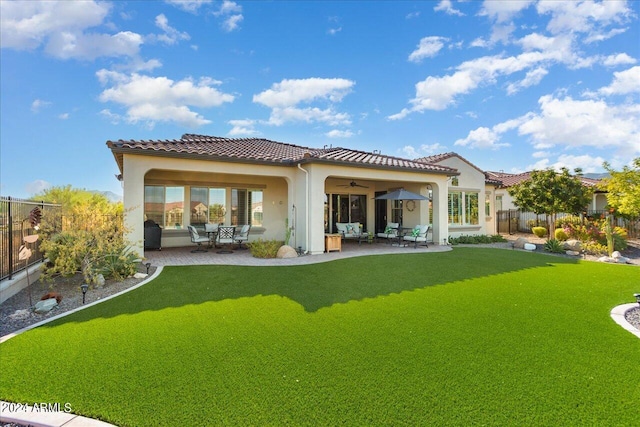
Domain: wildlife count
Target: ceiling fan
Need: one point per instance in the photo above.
(352, 184)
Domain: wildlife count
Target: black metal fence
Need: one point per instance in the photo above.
(516, 221)
(14, 225)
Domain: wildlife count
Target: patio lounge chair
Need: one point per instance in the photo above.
(197, 239)
(242, 236)
(390, 232)
(418, 234)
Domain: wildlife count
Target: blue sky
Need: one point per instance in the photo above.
(509, 85)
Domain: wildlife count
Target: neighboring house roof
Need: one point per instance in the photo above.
(437, 158)
(510, 179)
(259, 150)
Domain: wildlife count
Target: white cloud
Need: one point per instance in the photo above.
(482, 137)
(336, 133)
(598, 37)
(624, 82)
(188, 5)
(503, 11)
(283, 98)
(63, 116)
(37, 186)
(427, 48)
(447, 7)
(242, 128)
(334, 31)
(61, 27)
(583, 16)
(587, 163)
(618, 59)
(171, 35)
(231, 13)
(152, 99)
(412, 15)
(38, 104)
(410, 152)
(574, 124)
(532, 78)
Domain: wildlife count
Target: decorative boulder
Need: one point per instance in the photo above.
(572, 245)
(45, 305)
(140, 275)
(529, 247)
(100, 280)
(572, 253)
(520, 242)
(286, 252)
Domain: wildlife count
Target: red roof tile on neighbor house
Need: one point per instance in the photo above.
(265, 151)
(510, 179)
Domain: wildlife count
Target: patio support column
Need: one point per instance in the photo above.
(440, 212)
(315, 211)
(133, 201)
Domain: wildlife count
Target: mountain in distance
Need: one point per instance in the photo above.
(110, 195)
(596, 175)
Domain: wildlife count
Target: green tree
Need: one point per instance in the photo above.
(79, 201)
(550, 192)
(623, 189)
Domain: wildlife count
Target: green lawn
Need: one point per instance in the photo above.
(467, 337)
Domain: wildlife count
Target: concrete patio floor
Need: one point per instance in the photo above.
(184, 256)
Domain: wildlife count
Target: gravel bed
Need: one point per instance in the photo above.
(633, 317)
(16, 312)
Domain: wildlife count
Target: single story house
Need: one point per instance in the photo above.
(272, 185)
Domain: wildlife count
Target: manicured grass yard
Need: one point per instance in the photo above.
(468, 337)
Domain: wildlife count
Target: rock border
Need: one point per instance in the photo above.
(618, 316)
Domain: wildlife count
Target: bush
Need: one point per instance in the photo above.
(539, 231)
(553, 246)
(98, 249)
(264, 248)
(560, 234)
(595, 248)
(472, 240)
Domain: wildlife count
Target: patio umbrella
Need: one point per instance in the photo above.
(401, 194)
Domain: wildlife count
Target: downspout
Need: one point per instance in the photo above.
(306, 221)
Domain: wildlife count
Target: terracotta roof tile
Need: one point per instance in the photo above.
(265, 151)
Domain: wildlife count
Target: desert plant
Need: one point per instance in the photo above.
(560, 234)
(553, 246)
(287, 231)
(594, 248)
(471, 240)
(539, 231)
(101, 249)
(264, 248)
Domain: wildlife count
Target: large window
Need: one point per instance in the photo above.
(207, 205)
(347, 208)
(463, 208)
(164, 205)
(246, 207)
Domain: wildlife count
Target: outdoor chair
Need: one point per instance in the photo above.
(226, 236)
(242, 236)
(418, 234)
(390, 232)
(212, 232)
(197, 239)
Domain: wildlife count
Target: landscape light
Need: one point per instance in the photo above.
(148, 265)
(637, 298)
(84, 288)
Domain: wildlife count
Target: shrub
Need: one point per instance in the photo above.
(554, 246)
(483, 238)
(539, 231)
(560, 234)
(99, 249)
(264, 248)
(595, 248)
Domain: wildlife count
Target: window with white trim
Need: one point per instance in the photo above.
(463, 208)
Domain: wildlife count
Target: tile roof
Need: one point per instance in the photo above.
(261, 150)
(510, 179)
